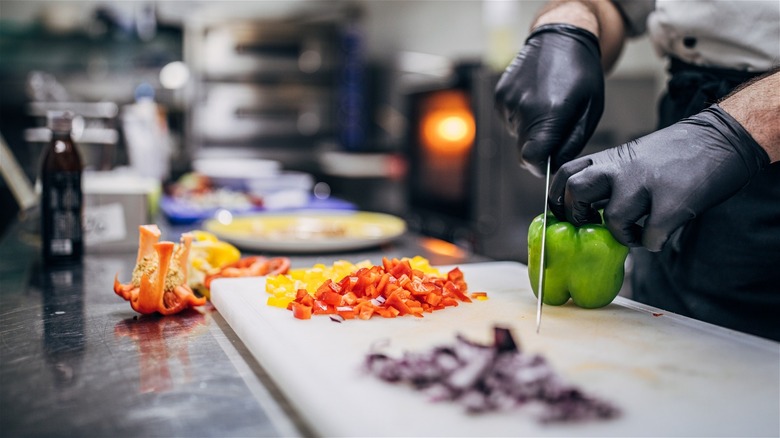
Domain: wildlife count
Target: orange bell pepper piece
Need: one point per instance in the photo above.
(159, 281)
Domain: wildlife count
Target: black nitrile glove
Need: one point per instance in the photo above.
(552, 95)
(667, 177)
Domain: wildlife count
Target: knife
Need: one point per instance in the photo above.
(541, 256)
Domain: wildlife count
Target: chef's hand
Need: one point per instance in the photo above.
(552, 94)
(667, 177)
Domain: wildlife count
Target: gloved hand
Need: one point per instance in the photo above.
(667, 177)
(552, 94)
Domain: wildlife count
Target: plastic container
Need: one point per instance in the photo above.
(284, 190)
(235, 172)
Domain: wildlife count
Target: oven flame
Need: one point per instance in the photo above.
(447, 125)
(453, 129)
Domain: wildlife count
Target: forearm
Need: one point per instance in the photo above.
(756, 107)
(599, 17)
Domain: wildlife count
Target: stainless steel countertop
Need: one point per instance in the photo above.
(76, 360)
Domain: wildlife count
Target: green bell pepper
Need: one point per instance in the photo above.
(583, 263)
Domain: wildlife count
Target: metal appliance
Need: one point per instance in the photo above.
(264, 87)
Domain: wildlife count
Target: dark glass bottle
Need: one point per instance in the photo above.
(62, 209)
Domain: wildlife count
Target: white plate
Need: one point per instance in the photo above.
(309, 231)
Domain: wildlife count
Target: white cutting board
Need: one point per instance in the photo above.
(670, 375)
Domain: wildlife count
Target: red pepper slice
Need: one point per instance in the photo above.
(253, 266)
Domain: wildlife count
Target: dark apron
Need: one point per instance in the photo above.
(725, 267)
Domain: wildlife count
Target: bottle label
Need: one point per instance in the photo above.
(62, 212)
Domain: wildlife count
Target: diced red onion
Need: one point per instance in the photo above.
(486, 378)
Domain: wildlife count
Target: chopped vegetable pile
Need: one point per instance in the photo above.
(487, 378)
(398, 287)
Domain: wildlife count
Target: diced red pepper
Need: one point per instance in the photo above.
(331, 298)
(433, 299)
(320, 308)
(380, 287)
(453, 290)
(300, 311)
(401, 268)
(346, 312)
(449, 301)
(388, 290)
(349, 298)
(479, 296)
(394, 300)
(364, 310)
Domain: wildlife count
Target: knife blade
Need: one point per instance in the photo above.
(540, 285)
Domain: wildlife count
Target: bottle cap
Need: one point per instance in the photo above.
(59, 121)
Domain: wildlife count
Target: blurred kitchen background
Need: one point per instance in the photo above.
(383, 105)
